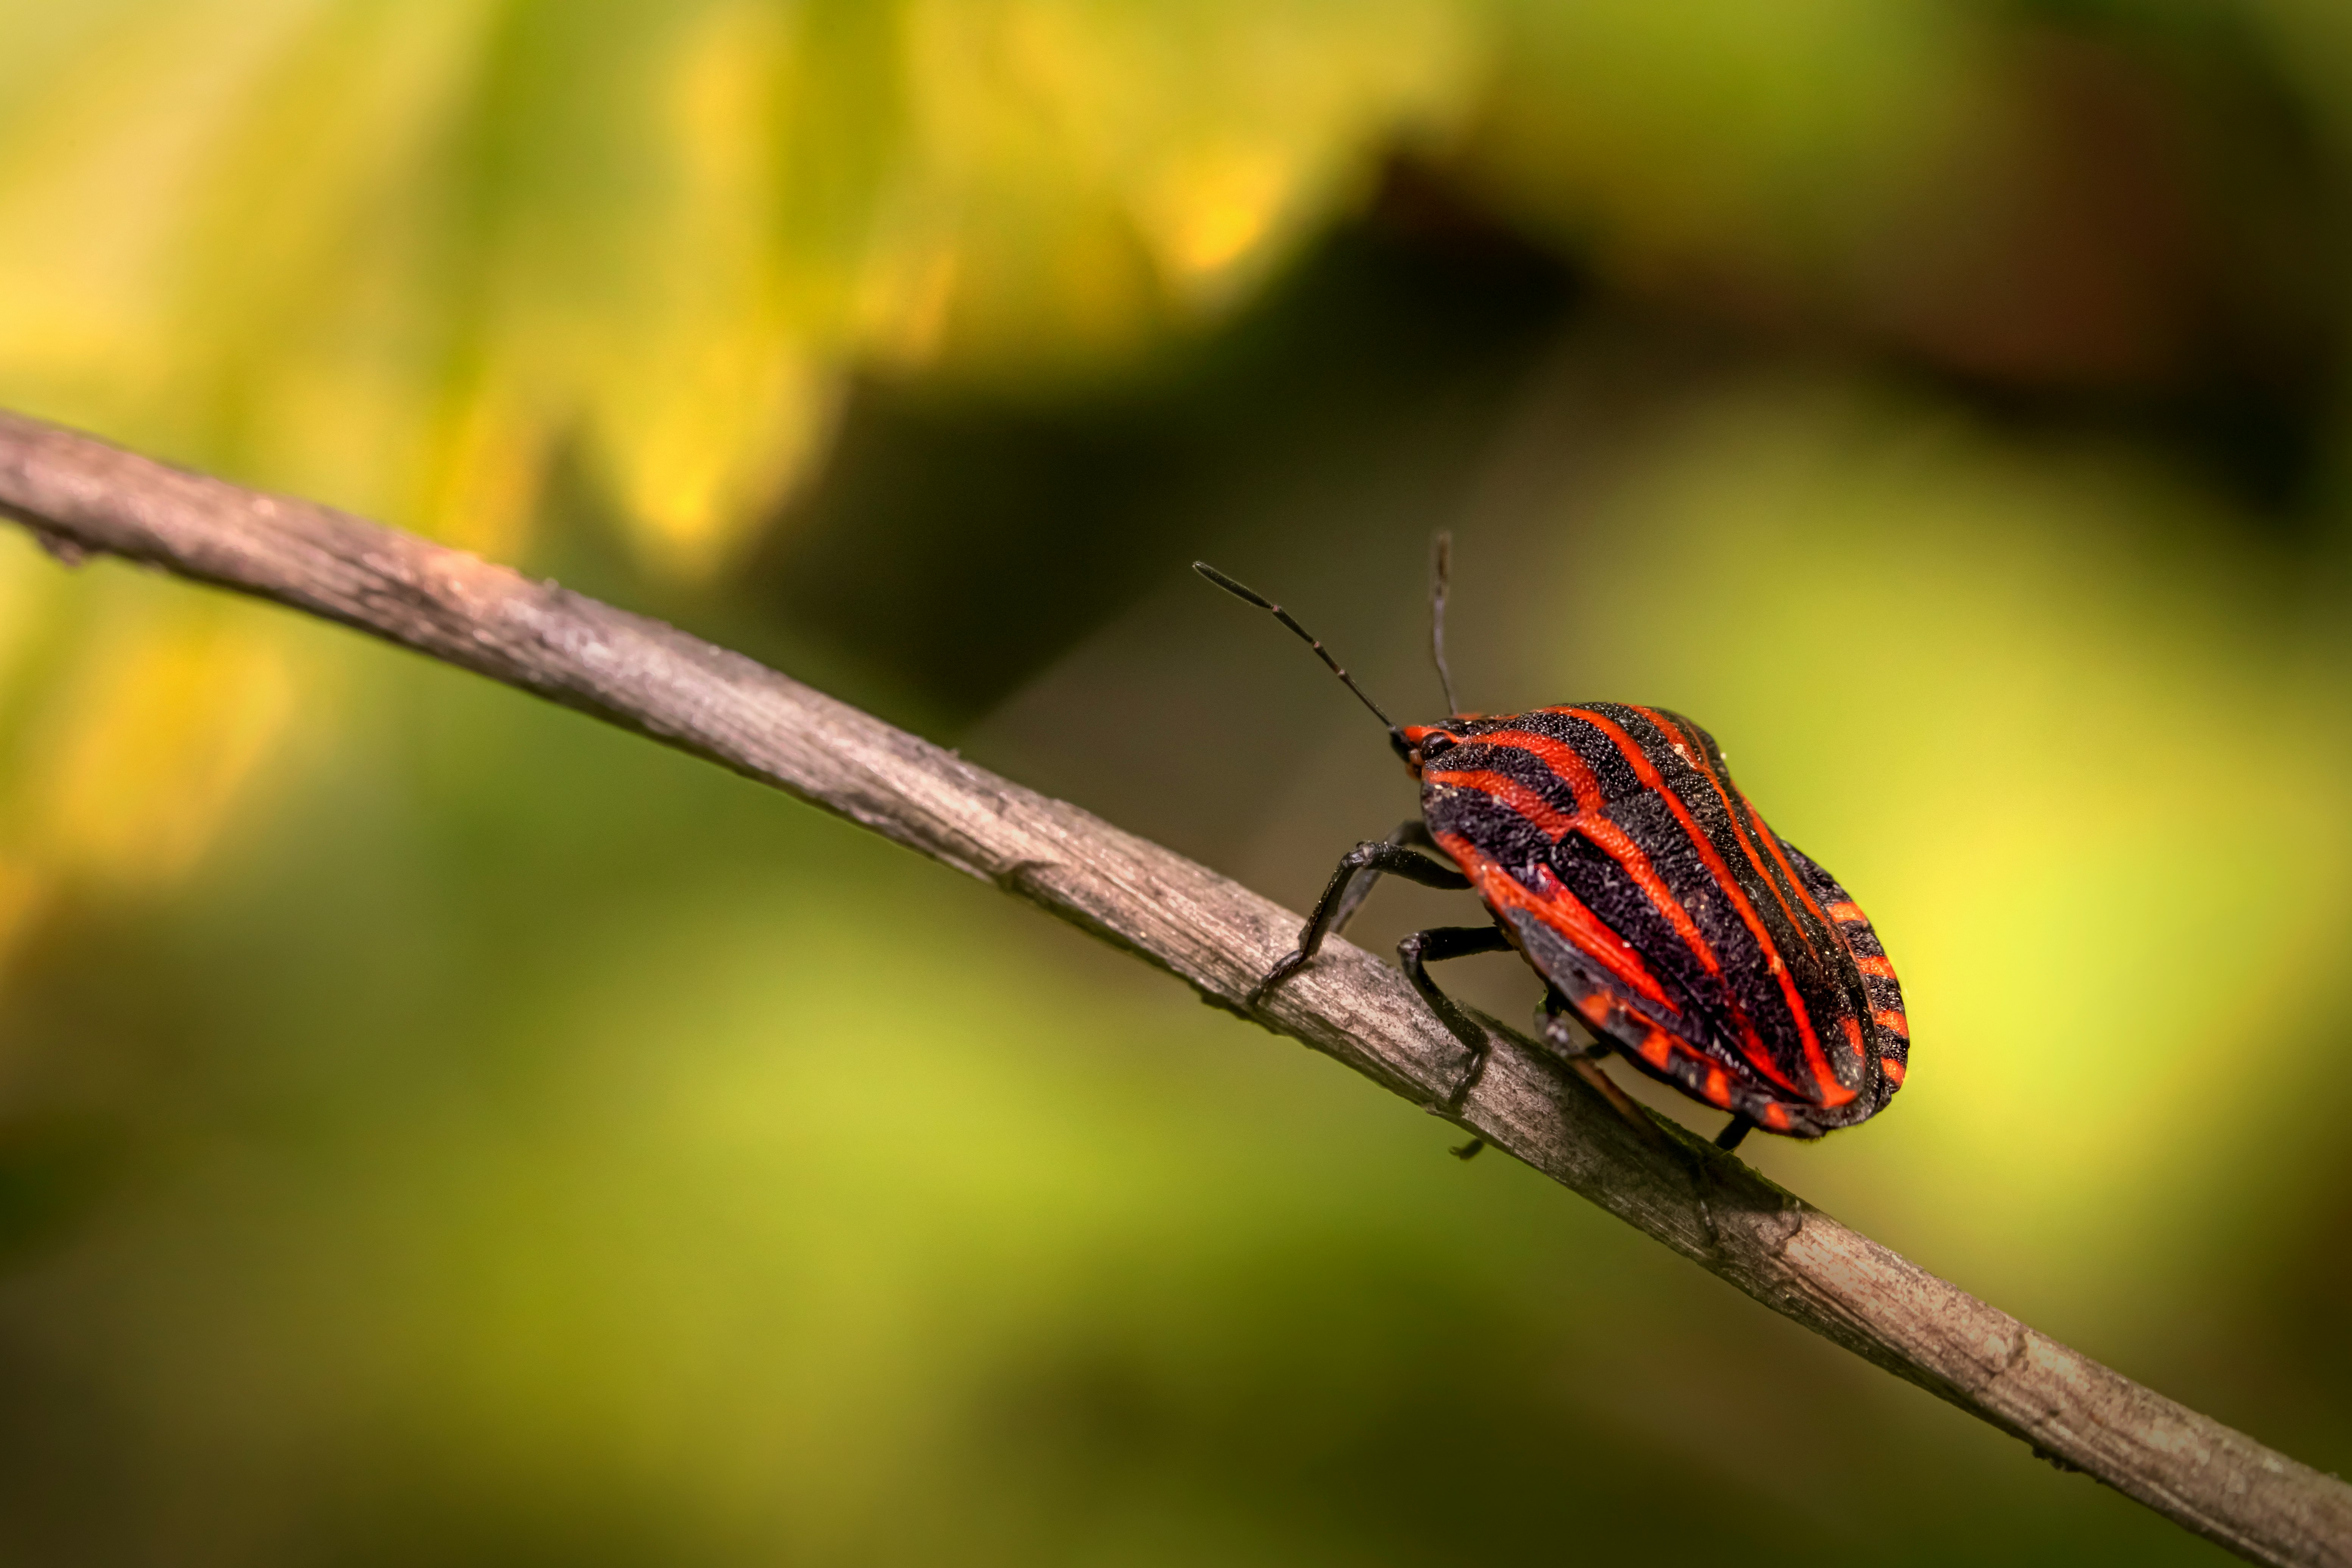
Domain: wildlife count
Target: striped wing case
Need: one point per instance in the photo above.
(1612, 845)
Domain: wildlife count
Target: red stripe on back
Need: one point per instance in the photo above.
(1576, 774)
(1511, 796)
(1832, 1092)
(1696, 757)
(1568, 766)
(1772, 842)
(1561, 910)
(1566, 763)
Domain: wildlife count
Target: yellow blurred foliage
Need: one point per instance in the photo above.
(140, 714)
(403, 255)
(128, 773)
(407, 258)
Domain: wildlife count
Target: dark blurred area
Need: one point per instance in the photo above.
(1038, 520)
(2155, 262)
(436, 1130)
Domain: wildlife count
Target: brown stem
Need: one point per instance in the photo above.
(81, 496)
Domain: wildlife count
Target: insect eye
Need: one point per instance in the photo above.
(1436, 745)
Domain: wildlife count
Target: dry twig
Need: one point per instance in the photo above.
(82, 497)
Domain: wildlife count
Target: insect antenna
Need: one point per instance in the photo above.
(1396, 736)
(1441, 569)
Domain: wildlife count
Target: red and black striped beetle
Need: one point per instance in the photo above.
(1615, 854)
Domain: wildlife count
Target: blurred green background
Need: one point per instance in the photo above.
(434, 1129)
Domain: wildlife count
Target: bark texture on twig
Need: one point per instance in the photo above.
(83, 497)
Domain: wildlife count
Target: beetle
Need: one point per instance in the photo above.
(1665, 916)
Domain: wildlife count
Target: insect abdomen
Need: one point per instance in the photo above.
(1759, 984)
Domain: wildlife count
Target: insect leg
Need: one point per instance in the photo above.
(1412, 833)
(1733, 1131)
(1551, 1023)
(1584, 1059)
(1369, 858)
(1425, 947)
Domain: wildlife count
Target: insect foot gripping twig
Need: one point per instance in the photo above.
(660, 683)
(1584, 1057)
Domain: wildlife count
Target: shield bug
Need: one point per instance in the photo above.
(1665, 918)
